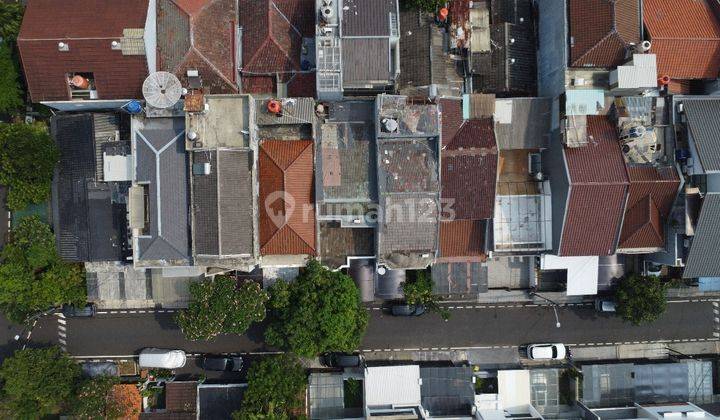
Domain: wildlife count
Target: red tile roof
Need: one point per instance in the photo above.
(209, 47)
(652, 193)
(601, 31)
(272, 39)
(462, 238)
(469, 170)
(685, 36)
(88, 27)
(287, 205)
(597, 194)
(451, 118)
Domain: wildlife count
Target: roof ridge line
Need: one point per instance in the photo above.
(310, 143)
(215, 69)
(254, 56)
(603, 39)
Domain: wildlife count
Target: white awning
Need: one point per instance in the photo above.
(514, 388)
(392, 385)
(582, 272)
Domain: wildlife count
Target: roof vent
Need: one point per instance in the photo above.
(63, 46)
(645, 45)
(192, 135)
(115, 45)
(390, 125)
(327, 13)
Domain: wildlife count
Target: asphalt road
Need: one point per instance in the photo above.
(118, 335)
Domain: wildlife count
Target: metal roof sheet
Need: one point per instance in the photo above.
(702, 260)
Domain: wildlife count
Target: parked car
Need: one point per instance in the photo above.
(162, 358)
(219, 363)
(70, 311)
(341, 360)
(404, 309)
(605, 305)
(555, 351)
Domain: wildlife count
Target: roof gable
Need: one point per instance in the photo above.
(642, 226)
(199, 34)
(287, 214)
(685, 37)
(602, 30)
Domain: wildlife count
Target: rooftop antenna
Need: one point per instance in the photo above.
(162, 89)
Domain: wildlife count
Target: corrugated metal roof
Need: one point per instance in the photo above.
(703, 120)
(367, 17)
(526, 125)
(392, 385)
(366, 60)
(702, 260)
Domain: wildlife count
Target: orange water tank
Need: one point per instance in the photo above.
(443, 14)
(80, 82)
(664, 80)
(274, 106)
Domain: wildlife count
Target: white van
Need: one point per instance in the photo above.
(162, 358)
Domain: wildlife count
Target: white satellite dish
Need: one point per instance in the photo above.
(162, 89)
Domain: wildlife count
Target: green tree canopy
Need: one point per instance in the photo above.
(320, 311)
(11, 14)
(218, 307)
(27, 160)
(641, 299)
(419, 291)
(10, 91)
(33, 278)
(275, 390)
(99, 398)
(37, 382)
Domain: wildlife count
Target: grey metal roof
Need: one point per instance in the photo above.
(460, 278)
(703, 120)
(88, 225)
(367, 17)
(625, 383)
(294, 111)
(447, 391)
(217, 402)
(366, 60)
(702, 260)
(223, 204)
(162, 165)
(528, 126)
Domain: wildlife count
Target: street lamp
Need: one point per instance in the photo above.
(553, 305)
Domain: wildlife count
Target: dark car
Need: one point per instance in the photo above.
(229, 364)
(341, 360)
(74, 311)
(405, 309)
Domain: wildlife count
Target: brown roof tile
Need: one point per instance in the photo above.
(209, 46)
(451, 118)
(685, 36)
(602, 30)
(469, 170)
(286, 189)
(88, 27)
(462, 238)
(272, 37)
(181, 396)
(651, 196)
(598, 192)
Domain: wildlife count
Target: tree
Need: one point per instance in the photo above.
(27, 160)
(275, 389)
(106, 398)
(10, 92)
(419, 291)
(37, 382)
(320, 311)
(641, 299)
(422, 5)
(218, 307)
(33, 278)
(11, 14)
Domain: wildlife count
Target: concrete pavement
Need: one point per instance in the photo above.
(473, 328)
